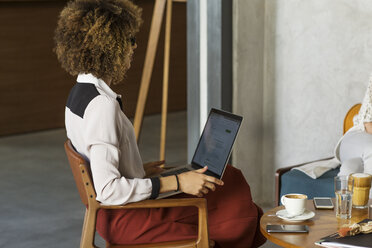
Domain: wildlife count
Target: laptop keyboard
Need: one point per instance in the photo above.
(182, 170)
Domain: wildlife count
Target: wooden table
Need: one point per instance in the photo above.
(322, 224)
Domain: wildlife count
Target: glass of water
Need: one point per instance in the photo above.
(344, 192)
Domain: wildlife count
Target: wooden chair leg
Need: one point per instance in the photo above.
(84, 226)
(203, 233)
(89, 228)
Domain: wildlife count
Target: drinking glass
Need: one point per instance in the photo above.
(344, 192)
(362, 186)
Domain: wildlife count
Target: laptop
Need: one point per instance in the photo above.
(214, 147)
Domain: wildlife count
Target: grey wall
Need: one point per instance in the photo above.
(298, 67)
(248, 66)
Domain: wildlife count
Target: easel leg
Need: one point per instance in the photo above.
(163, 133)
(149, 63)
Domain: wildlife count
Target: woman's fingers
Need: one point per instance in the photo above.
(156, 163)
(214, 180)
(202, 170)
(204, 191)
(153, 168)
(210, 186)
(209, 178)
(157, 170)
(197, 183)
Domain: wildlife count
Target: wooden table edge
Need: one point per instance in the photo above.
(310, 206)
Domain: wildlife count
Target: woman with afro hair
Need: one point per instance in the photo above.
(94, 41)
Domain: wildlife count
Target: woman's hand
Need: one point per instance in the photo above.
(153, 168)
(197, 183)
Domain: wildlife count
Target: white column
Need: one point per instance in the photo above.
(208, 48)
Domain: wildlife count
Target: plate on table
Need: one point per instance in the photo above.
(283, 214)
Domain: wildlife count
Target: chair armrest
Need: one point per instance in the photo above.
(89, 226)
(200, 203)
(278, 177)
(161, 203)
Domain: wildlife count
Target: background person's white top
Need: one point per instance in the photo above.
(364, 115)
(105, 136)
(317, 169)
(365, 112)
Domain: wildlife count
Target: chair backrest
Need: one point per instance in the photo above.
(349, 118)
(77, 162)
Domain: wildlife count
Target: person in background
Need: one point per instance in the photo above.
(354, 150)
(95, 41)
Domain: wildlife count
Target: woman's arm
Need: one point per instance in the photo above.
(102, 135)
(368, 127)
(365, 112)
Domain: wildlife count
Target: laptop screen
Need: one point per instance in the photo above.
(216, 141)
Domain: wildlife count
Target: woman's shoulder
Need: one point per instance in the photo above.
(105, 101)
(103, 105)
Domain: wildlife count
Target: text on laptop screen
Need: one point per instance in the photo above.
(215, 144)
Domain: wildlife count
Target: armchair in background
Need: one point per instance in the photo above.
(294, 181)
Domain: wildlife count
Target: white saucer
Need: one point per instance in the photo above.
(283, 214)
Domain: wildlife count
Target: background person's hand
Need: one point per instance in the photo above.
(368, 127)
(153, 168)
(197, 183)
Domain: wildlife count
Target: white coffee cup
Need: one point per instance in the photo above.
(295, 204)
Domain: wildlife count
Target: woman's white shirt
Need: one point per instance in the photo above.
(100, 131)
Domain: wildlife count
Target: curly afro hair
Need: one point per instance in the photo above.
(95, 36)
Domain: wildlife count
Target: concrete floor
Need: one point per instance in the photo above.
(40, 206)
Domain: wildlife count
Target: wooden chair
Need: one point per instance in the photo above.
(348, 123)
(81, 172)
(349, 118)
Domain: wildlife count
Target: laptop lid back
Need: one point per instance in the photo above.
(216, 142)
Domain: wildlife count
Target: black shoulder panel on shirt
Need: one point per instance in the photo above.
(80, 96)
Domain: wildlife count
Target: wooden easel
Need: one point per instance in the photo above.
(148, 66)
